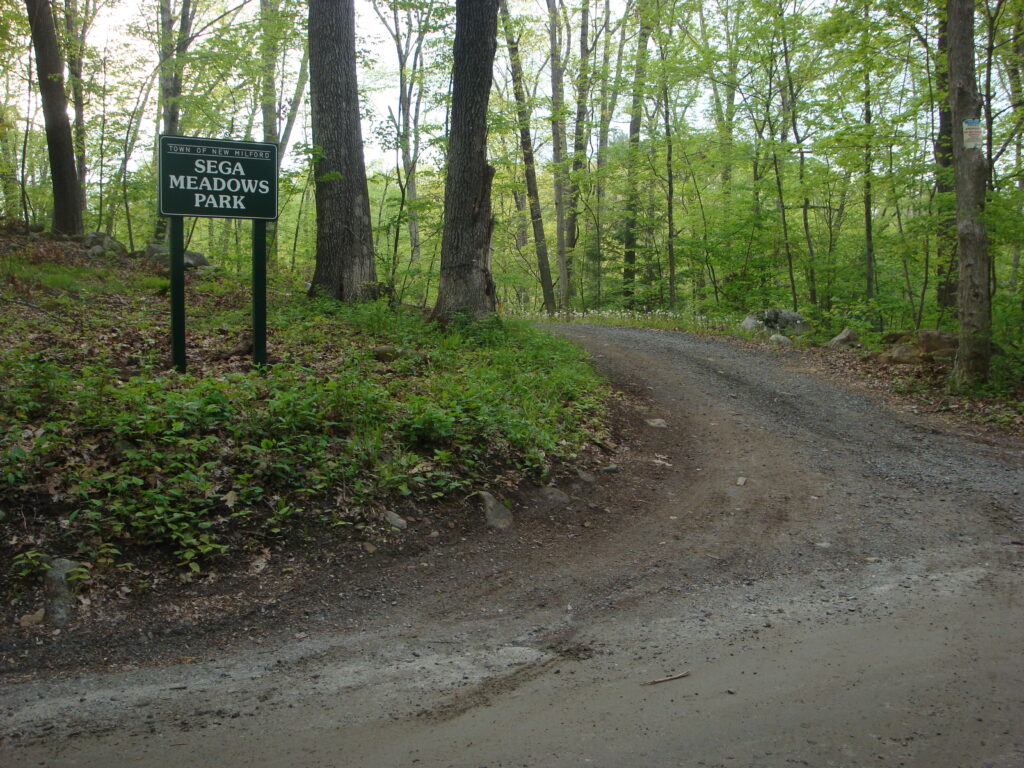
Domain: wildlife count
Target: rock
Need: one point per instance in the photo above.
(57, 592)
(552, 498)
(104, 242)
(120, 450)
(848, 338)
(369, 548)
(499, 517)
(385, 353)
(610, 469)
(583, 477)
(777, 320)
(95, 252)
(393, 518)
(31, 619)
(930, 341)
(779, 340)
(161, 253)
(659, 423)
(900, 354)
(897, 337)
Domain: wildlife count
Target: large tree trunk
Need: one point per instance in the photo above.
(173, 45)
(67, 194)
(466, 287)
(558, 152)
(946, 287)
(270, 46)
(345, 267)
(971, 168)
(529, 163)
(581, 136)
(869, 232)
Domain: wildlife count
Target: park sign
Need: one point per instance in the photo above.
(213, 178)
(216, 178)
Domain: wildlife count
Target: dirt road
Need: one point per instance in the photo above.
(841, 585)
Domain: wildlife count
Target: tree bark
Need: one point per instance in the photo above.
(946, 286)
(632, 193)
(529, 163)
(581, 135)
(345, 267)
(558, 153)
(67, 195)
(270, 45)
(971, 167)
(466, 287)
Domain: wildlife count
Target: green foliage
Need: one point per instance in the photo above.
(197, 464)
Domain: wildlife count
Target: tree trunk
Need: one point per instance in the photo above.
(76, 27)
(946, 266)
(558, 153)
(581, 135)
(173, 45)
(529, 163)
(632, 193)
(869, 233)
(270, 35)
(345, 267)
(67, 194)
(466, 288)
(971, 167)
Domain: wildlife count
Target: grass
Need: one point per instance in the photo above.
(106, 454)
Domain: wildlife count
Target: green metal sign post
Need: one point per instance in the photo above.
(212, 178)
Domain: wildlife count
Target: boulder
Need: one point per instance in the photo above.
(161, 253)
(898, 337)
(779, 340)
(498, 515)
(901, 354)
(57, 591)
(848, 338)
(782, 321)
(552, 499)
(104, 243)
(930, 341)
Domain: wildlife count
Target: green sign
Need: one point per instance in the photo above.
(215, 178)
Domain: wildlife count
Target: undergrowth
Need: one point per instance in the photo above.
(105, 451)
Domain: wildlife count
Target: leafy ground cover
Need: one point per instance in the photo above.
(921, 388)
(110, 457)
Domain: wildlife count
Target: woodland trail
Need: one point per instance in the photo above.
(840, 583)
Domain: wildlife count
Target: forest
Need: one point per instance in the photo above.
(650, 156)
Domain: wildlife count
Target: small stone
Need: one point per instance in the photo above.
(583, 477)
(659, 423)
(369, 548)
(551, 497)
(393, 518)
(823, 544)
(385, 353)
(610, 469)
(499, 517)
(741, 481)
(57, 592)
(31, 619)
(779, 340)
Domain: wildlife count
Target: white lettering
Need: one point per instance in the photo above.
(223, 167)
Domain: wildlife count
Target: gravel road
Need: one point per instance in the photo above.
(773, 569)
